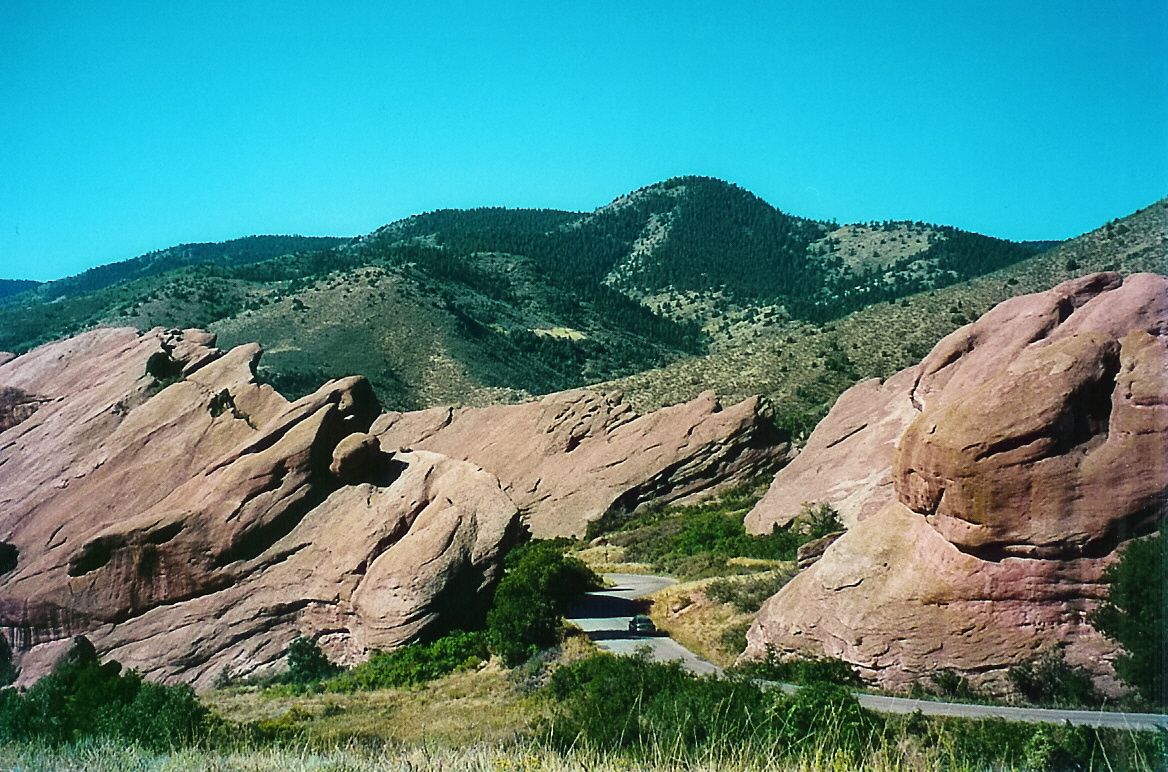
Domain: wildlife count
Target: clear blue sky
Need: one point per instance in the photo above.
(132, 126)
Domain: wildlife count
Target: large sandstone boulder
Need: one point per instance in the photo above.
(190, 520)
(989, 490)
(578, 457)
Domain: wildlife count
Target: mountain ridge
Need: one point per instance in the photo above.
(491, 305)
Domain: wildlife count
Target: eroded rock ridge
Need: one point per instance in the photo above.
(191, 521)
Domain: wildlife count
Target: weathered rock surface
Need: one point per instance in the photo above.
(191, 522)
(195, 525)
(578, 457)
(987, 493)
(812, 551)
(847, 461)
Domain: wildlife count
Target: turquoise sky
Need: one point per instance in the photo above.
(127, 127)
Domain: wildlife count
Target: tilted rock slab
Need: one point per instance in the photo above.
(578, 457)
(1031, 445)
(192, 522)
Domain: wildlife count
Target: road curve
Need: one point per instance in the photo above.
(604, 615)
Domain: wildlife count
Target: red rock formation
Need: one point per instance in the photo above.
(191, 522)
(194, 525)
(847, 461)
(577, 457)
(989, 491)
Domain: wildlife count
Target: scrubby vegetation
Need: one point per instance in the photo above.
(653, 709)
(600, 712)
(747, 595)
(701, 540)
(1050, 681)
(532, 597)
(84, 698)
(1133, 616)
(805, 670)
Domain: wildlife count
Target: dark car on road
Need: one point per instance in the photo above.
(642, 625)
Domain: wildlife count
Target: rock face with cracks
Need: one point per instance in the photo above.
(579, 457)
(985, 490)
(192, 522)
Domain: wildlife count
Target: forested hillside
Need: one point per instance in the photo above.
(250, 249)
(15, 286)
(492, 304)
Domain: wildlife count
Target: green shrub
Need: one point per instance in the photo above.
(801, 670)
(747, 596)
(533, 595)
(83, 697)
(733, 639)
(951, 684)
(414, 664)
(999, 744)
(611, 703)
(697, 541)
(1133, 616)
(828, 715)
(307, 664)
(1051, 682)
(630, 703)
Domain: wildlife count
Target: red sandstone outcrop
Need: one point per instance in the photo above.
(990, 489)
(194, 526)
(191, 522)
(578, 457)
(847, 461)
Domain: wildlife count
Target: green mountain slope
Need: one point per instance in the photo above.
(250, 249)
(15, 287)
(475, 306)
(803, 367)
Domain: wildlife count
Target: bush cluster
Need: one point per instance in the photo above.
(632, 704)
(1133, 616)
(415, 663)
(696, 541)
(84, 697)
(1052, 682)
(800, 670)
(307, 664)
(747, 595)
(539, 584)
(650, 710)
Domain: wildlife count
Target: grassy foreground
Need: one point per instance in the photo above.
(107, 756)
(576, 712)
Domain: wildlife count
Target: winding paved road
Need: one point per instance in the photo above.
(604, 615)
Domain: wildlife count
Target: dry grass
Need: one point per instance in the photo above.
(862, 246)
(609, 559)
(461, 709)
(105, 757)
(887, 755)
(698, 623)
